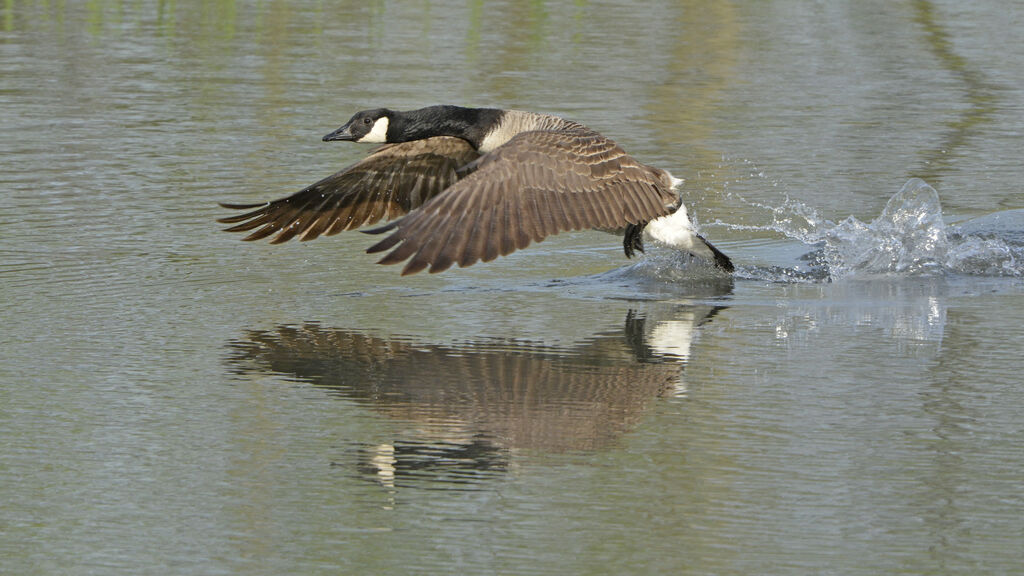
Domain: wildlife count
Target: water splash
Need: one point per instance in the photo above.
(908, 239)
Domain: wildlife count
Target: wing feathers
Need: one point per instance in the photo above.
(538, 184)
(389, 182)
(475, 245)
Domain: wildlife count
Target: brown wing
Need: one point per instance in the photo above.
(538, 184)
(391, 181)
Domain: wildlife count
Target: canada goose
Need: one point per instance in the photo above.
(477, 183)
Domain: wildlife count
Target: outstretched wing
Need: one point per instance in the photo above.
(538, 184)
(393, 180)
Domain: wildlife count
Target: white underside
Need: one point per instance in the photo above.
(676, 231)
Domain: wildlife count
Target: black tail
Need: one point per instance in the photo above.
(721, 260)
(633, 242)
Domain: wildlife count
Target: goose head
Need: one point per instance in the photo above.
(365, 126)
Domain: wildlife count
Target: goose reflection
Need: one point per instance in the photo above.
(473, 403)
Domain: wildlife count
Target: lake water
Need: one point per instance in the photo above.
(175, 401)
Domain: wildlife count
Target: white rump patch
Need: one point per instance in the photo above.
(379, 133)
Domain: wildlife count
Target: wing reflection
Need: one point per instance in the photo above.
(471, 403)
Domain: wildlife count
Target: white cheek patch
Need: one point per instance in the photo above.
(379, 132)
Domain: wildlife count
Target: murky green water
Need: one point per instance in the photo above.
(175, 401)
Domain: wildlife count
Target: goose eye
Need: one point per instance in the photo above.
(367, 121)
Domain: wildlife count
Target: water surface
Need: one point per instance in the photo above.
(177, 401)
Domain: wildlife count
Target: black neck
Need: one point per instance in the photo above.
(470, 124)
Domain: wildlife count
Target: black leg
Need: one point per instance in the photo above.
(634, 238)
